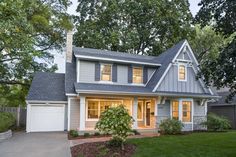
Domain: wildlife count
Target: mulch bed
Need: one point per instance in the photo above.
(101, 149)
(83, 137)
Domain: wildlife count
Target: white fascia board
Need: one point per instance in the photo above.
(116, 60)
(71, 94)
(45, 102)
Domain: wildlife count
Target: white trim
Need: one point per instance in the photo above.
(186, 73)
(68, 114)
(183, 60)
(71, 94)
(28, 119)
(180, 50)
(116, 60)
(78, 69)
(151, 76)
(115, 83)
(45, 102)
(145, 111)
(162, 77)
(103, 64)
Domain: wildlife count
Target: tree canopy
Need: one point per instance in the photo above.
(28, 30)
(221, 15)
(142, 26)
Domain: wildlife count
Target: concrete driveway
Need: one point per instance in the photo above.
(36, 145)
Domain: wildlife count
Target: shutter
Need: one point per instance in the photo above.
(114, 73)
(145, 75)
(130, 74)
(97, 71)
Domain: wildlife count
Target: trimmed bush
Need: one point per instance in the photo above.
(86, 134)
(115, 142)
(74, 133)
(7, 120)
(171, 126)
(135, 132)
(96, 133)
(216, 123)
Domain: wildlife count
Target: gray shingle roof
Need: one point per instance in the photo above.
(70, 76)
(47, 87)
(115, 55)
(222, 100)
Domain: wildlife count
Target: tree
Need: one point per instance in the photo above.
(29, 29)
(115, 121)
(142, 26)
(222, 16)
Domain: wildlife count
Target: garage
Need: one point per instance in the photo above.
(46, 117)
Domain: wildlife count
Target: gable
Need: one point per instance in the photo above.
(170, 82)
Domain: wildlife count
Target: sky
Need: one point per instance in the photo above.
(60, 57)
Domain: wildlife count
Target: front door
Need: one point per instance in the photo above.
(148, 113)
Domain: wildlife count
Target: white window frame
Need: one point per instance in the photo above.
(141, 111)
(141, 83)
(181, 109)
(102, 64)
(186, 74)
(99, 112)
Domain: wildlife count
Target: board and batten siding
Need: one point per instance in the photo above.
(171, 83)
(74, 113)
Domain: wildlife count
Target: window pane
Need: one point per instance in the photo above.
(175, 110)
(138, 75)
(187, 111)
(92, 109)
(106, 72)
(140, 110)
(182, 72)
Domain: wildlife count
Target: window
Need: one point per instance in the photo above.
(182, 72)
(186, 116)
(140, 110)
(137, 75)
(175, 110)
(106, 72)
(95, 107)
(92, 109)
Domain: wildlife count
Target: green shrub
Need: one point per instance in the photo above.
(74, 133)
(86, 134)
(136, 132)
(117, 122)
(7, 120)
(115, 142)
(171, 126)
(96, 133)
(216, 123)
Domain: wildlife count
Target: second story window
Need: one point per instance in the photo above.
(106, 72)
(137, 75)
(182, 72)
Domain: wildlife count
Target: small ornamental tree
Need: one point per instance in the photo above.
(117, 122)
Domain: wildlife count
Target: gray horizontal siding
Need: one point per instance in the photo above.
(74, 114)
(171, 83)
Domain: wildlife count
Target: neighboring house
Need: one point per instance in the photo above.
(223, 108)
(151, 88)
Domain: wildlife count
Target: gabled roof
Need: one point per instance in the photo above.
(223, 93)
(89, 53)
(47, 87)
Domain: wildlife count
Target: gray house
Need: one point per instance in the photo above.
(152, 88)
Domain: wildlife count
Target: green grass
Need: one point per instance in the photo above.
(192, 145)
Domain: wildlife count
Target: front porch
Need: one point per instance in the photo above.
(142, 109)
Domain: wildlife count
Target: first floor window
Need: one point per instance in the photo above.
(92, 109)
(175, 110)
(186, 116)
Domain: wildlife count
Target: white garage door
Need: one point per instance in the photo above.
(47, 118)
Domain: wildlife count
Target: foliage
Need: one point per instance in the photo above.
(115, 142)
(171, 126)
(86, 134)
(216, 123)
(74, 133)
(28, 31)
(7, 120)
(141, 27)
(136, 132)
(116, 121)
(96, 133)
(221, 15)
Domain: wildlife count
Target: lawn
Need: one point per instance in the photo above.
(192, 145)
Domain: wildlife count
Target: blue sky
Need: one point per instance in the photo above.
(60, 58)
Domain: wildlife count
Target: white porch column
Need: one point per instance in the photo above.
(180, 109)
(135, 113)
(82, 113)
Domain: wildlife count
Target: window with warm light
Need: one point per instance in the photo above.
(140, 110)
(137, 75)
(186, 109)
(175, 110)
(106, 72)
(92, 109)
(182, 72)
